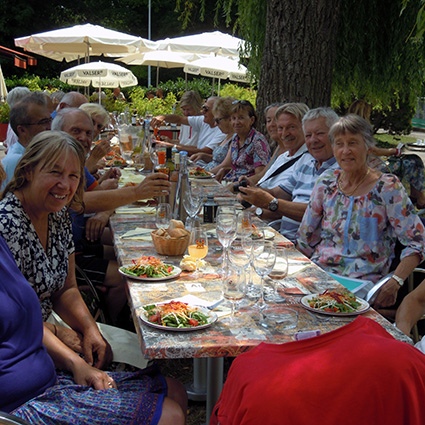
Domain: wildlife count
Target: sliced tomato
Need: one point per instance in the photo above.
(193, 322)
(154, 318)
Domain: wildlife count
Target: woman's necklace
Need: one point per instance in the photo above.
(341, 179)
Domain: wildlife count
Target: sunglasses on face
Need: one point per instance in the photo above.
(205, 108)
(242, 102)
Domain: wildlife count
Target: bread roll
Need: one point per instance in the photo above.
(176, 224)
(177, 233)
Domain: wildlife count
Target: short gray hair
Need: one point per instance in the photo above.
(321, 112)
(354, 124)
(298, 110)
(19, 112)
(58, 122)
(16, 95)
(96, 111)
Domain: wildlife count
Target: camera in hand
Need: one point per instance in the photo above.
(237, 185)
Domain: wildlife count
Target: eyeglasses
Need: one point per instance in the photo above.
(205, 108)
(45, 121)
(218, 120)
(242, 102)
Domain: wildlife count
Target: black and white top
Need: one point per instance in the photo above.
(45, 271)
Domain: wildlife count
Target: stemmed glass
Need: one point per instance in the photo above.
(279, 272)
(244, 223)
(234, 289)
(163, 216)
(226, 232)
(192, 202)
(198, 246)
(264, 258)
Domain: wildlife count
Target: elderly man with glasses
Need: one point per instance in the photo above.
(28, 117)
(210, 135)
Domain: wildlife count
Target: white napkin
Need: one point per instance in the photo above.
(135, 210)
(138, 234)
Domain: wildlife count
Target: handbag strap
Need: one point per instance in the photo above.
(284, 167)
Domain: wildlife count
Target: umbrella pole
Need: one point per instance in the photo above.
(185, 80)
(100, 93)
(219, 80)
(157, 76)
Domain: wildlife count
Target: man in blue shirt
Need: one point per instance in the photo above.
(28, 117)
(291, 197)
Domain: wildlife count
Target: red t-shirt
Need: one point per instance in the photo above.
(357, 374)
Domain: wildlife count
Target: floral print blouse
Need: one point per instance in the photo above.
(255, 152)
(355, 236)
(46, 271)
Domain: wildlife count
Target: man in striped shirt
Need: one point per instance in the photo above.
(291, 197)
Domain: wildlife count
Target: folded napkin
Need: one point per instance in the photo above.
(136, 210)
(138, 234)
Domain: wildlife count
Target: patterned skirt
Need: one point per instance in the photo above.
(137, 401)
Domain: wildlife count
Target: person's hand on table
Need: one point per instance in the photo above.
(152, 186)
(109, 184)
(95, 226)
(165, 139)
(157, 121)
(220, 175)
(97, 351)
(201, 156)
(387, 295)
(255, 196)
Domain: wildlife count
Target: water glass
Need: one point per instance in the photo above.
(128, 139)
(264, 258)
(279, 272)
(234, 288)
(163, 216)
(198, 246)
(226, 233)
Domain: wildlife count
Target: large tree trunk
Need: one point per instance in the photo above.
(299, 52)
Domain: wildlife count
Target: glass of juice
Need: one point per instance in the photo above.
(198, 247)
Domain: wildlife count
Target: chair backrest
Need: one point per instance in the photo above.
(7, 419)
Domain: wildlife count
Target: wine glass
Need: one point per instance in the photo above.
(226, 232)
(198, 246)
(279, 272)
(264, 258)
(234, 289)
(192, 202)
(163, 216)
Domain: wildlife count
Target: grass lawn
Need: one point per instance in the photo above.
(387, 140)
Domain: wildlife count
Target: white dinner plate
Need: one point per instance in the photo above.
(212, 318)
(200, 177)
(175, 273)
(363, 307)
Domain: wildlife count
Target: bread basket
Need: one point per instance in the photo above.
(167, 245)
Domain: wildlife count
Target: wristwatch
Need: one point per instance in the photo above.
(259, 212)
(398, 279)
(273, 205)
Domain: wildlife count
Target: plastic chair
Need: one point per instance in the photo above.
(7, 419)
(91, 296)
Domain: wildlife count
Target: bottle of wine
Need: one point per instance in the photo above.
(169, 161)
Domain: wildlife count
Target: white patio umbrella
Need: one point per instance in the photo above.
(218, 67)
(99, 74)
(83, 41)
(204, 43)
(3, 88)
(160, 59)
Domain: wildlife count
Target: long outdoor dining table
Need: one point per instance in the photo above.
(219, 340)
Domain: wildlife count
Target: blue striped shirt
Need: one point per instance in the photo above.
(300, 185)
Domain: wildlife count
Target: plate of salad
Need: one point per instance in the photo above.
(176, 316)
(335, 303)
(150, 269)
(200, 173)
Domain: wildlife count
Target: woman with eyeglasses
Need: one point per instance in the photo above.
(221, 111)
(249, 150)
